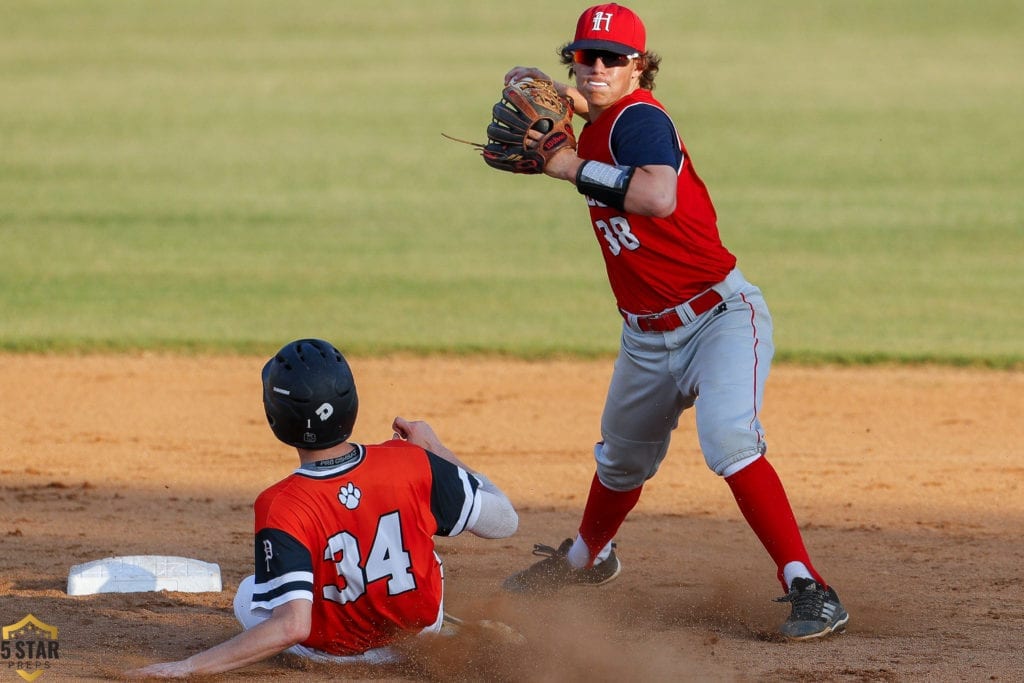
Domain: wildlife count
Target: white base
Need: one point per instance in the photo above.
(144, 573)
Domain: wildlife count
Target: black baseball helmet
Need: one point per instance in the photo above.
(309, 395)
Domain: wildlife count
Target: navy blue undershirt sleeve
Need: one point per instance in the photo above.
(644, 136)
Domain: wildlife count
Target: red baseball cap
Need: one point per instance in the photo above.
(609, 27)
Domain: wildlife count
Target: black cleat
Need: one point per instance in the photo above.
(554, 571)
(816, 613)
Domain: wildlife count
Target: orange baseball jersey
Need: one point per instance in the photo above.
(354, 535)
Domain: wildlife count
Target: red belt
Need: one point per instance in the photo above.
(669, 320)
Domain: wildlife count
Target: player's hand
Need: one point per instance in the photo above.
(518, 73)
(421, 434)
(416, 432)
(580, 104)
(180, 669)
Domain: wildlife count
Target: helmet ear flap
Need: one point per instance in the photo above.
(309, 395)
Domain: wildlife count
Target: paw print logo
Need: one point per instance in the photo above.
(349, 496)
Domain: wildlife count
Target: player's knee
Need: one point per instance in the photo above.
(728, 456)
(618, 479)
(623, 466)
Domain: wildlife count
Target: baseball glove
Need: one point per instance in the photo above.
(527, 105)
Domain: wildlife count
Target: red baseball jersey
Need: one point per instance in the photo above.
(653, 263)
(354, 536)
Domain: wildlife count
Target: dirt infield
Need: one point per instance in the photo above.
(908, 483)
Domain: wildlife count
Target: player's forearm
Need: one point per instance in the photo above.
(264, 640)
(423, 435)
(288, 626)
(640, 190)
(564, 165)
(246, 648)
(652, 191)
(440, 450)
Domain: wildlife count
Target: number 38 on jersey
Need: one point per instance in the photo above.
(617, 234)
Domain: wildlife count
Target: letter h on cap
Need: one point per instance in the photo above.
(602, 18)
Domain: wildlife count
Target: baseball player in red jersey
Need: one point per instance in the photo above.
(344, 552)
(695, 332)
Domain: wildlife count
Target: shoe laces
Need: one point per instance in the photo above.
(807, 603)
(541, 550)
(559, 553)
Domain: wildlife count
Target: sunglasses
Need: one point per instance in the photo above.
(609, 59)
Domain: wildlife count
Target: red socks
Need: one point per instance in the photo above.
(758, 492)
(604, 513)
(763, 502)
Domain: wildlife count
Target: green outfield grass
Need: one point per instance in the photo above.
(226, 175)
